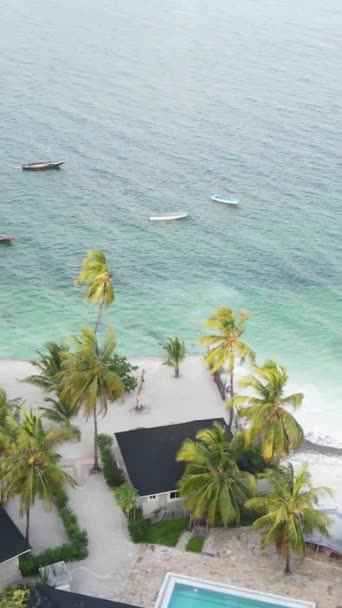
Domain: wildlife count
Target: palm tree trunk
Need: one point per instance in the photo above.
(96, 467)
(27, 533)
(99, 316)
(231, 411)
(177, 371)
(287, 563)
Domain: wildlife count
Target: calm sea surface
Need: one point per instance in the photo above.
(154, 106)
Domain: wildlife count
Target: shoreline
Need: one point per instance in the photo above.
(324, 445)
(194, 396)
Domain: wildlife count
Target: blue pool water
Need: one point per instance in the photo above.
(185, 596)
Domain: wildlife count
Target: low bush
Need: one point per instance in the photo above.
(138, 526)
(254, 458)
(195, 544)
(125, 370)
(75, 549)
(112, 474)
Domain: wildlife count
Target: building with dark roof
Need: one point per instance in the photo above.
(49, 597)
(148, 456)
(12, 545)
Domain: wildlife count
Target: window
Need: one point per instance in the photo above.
(173, 495)
(152, 497)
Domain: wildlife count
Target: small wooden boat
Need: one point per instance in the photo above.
(167, 217)
(7, 240)
(225, 201)
(42, 165)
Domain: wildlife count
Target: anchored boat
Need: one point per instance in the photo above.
(225, 201)
(7, 240)
(167, 217)
(42, 165)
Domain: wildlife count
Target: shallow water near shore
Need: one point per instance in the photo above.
(155, 107)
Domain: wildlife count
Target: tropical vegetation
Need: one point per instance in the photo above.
(175, 353)
(213, 486)
(289, 510)
(49, 367)
(86, 374)
(87, 379)
(126, 496)
(76, 548)
(112, 473)
(266, 409)
(225, 346)
(31, 467)
(97, 280)
(61, 413)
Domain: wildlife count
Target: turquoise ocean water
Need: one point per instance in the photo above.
(154, 106)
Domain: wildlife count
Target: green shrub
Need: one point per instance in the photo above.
(125, 370)
(15, 598)
(104, 441)
(138, 527)
(254, 458)
(75, 549)
(112, 474)
(195, 544)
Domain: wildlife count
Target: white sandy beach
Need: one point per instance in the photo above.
(168, 400)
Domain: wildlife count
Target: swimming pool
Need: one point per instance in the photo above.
(184, 592)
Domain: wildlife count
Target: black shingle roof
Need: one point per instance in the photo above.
(49, 597)
(150, 454)
(12, 542)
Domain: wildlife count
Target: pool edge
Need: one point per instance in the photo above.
(172, 578)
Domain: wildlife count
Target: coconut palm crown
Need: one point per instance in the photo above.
(32, 467)
(49, 366)
(289, 507)
(212, 484)
(97, 281)
(87, 378)
(226, 345)
(266, 410)
(175, 351)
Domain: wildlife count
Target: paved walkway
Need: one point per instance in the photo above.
(111, 552)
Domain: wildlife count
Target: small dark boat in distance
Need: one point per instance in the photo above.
(7, 240)
(42, 165)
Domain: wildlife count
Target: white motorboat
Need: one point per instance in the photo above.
(167, 217)
(225, 201)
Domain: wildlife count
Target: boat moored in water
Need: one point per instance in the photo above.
(167, 217)
(42, 165)
(225, 201)
(7, 240)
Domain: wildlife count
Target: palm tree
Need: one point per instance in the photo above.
(49, 366)
(87, 378)
(96, 277)
(225, 346)
(212, 484)
(289, 510)
(61, 413)
(8, 409)
(175, 350)
(269, 419)
(31, 464)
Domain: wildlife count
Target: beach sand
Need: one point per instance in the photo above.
(168, 400)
